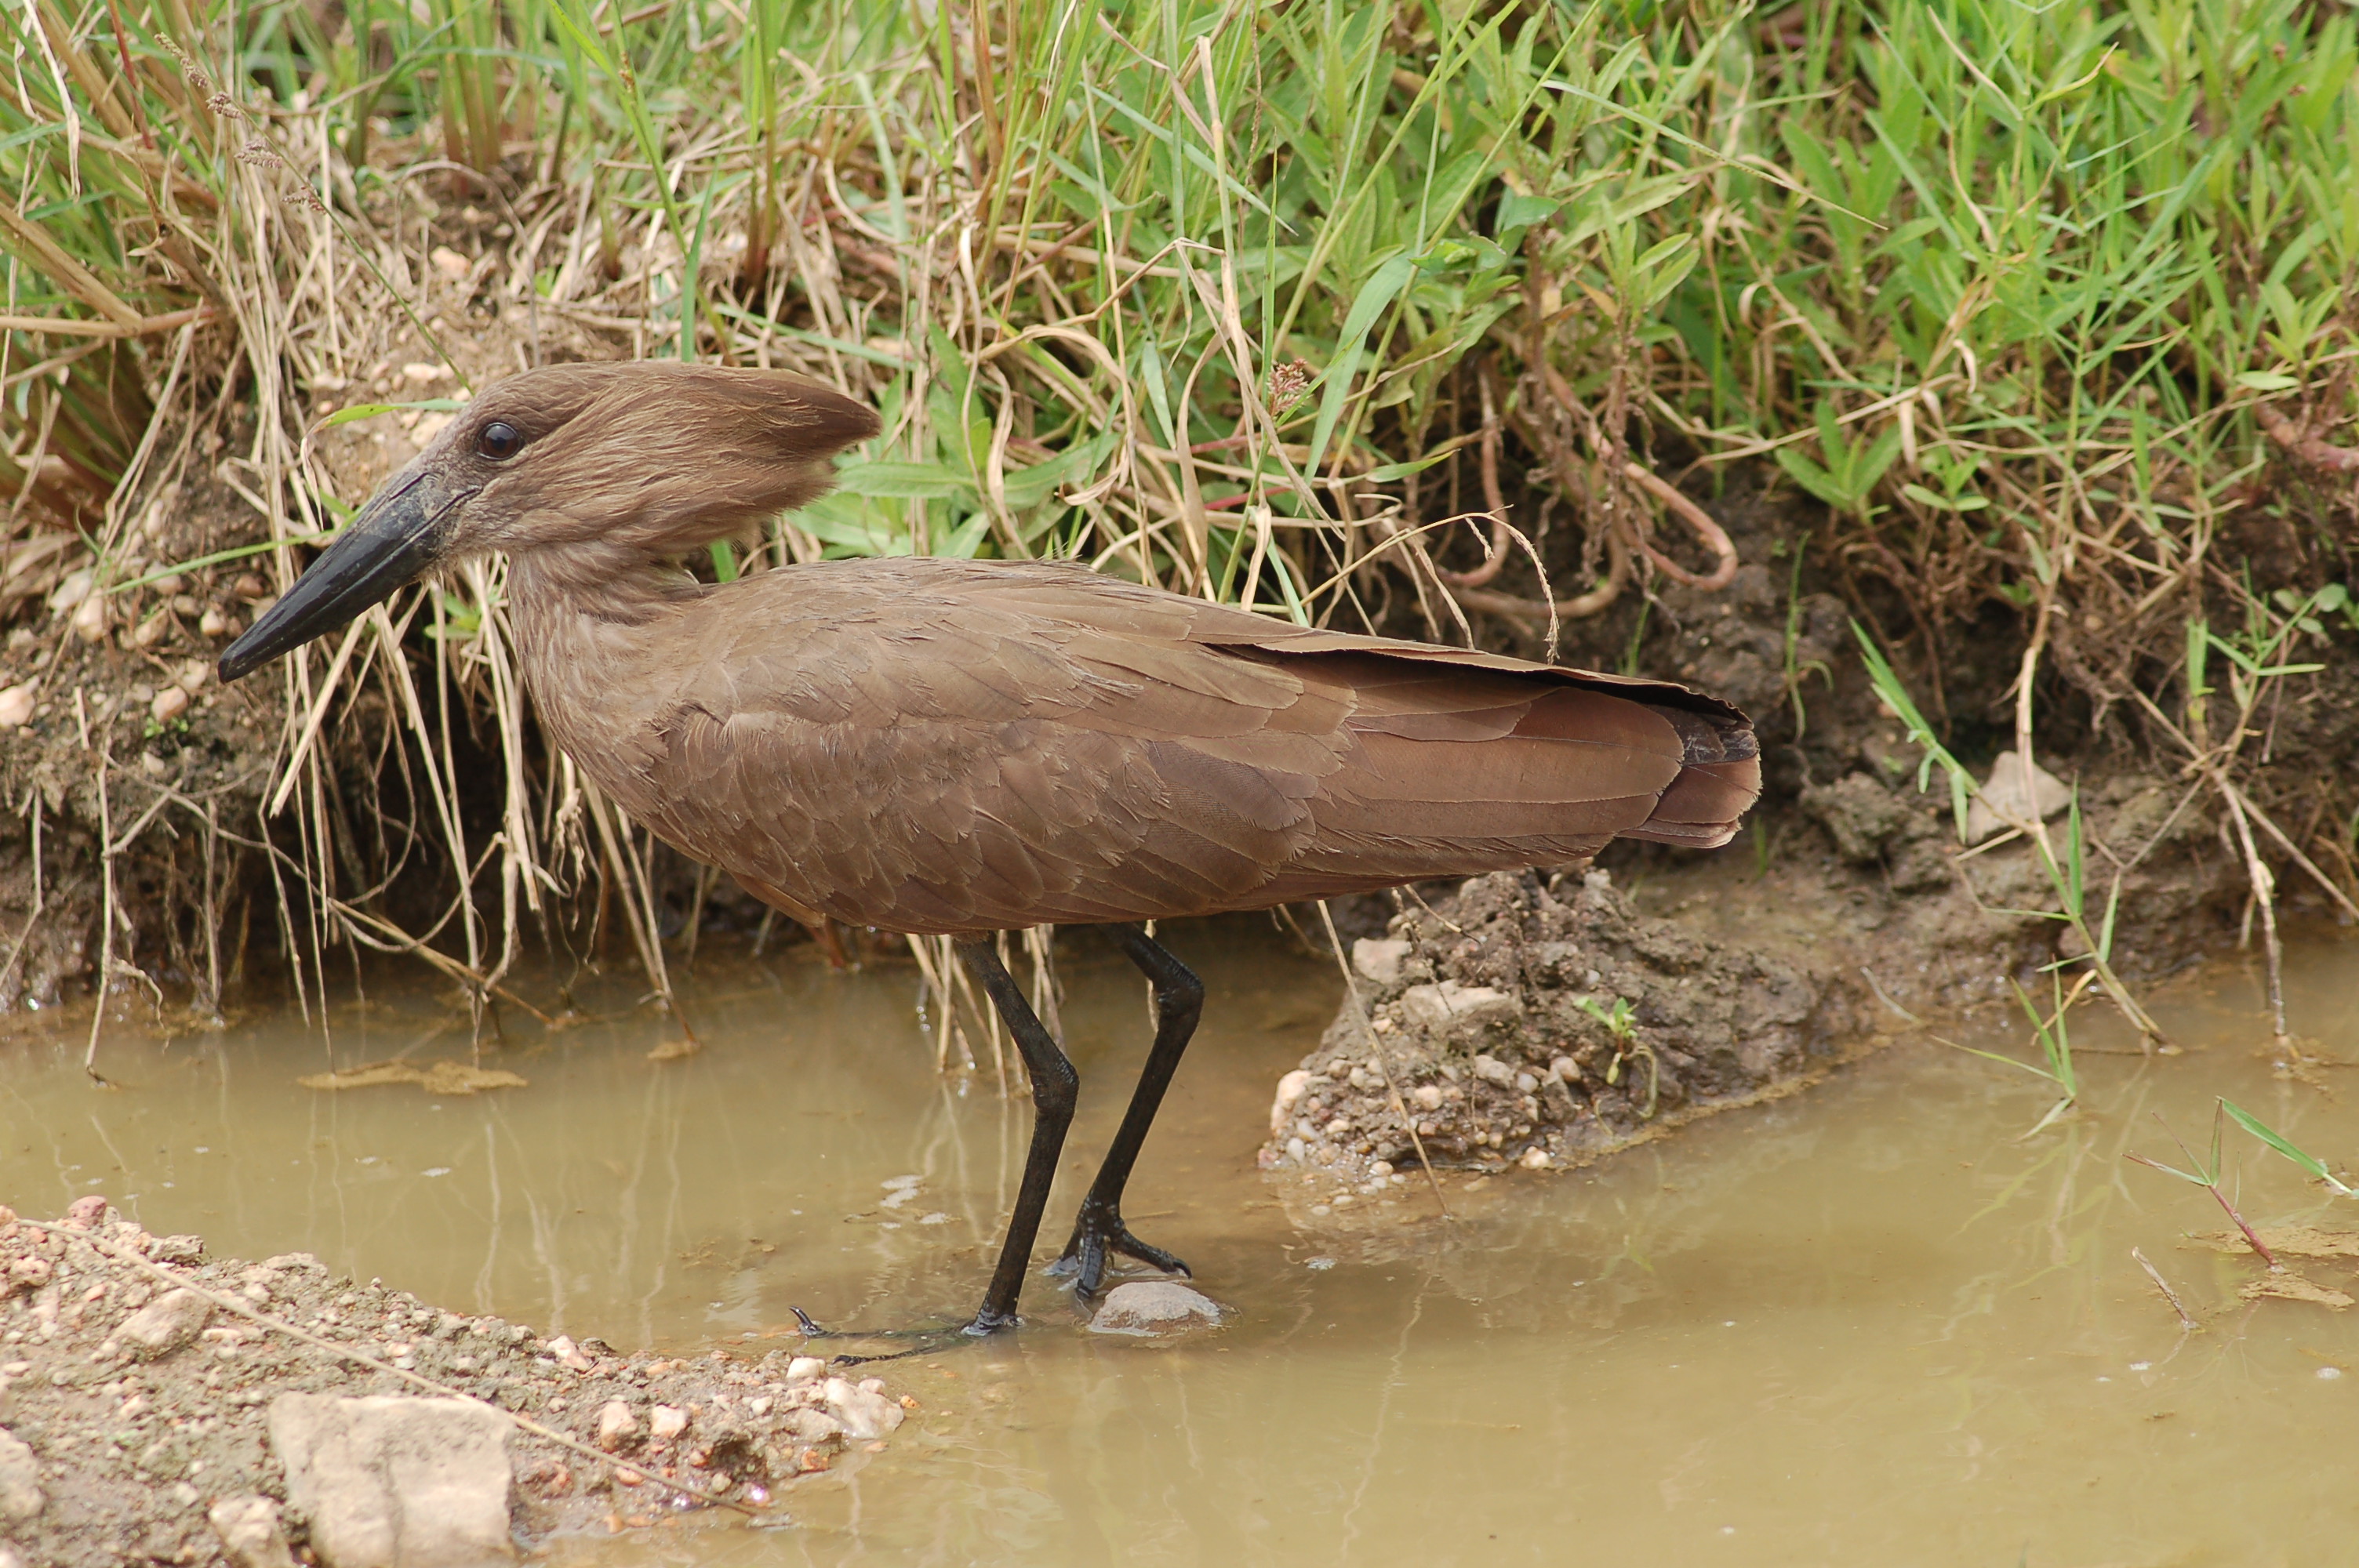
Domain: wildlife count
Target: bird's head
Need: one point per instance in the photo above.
(647, 460)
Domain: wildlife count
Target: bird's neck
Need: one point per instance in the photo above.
(596, 631)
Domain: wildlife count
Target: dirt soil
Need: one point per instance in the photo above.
(139, 1381)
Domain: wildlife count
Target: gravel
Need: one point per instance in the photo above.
(153, 1405)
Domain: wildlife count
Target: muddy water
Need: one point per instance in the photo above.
(1871, 1324)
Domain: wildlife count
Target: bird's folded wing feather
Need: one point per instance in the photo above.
(934, 749)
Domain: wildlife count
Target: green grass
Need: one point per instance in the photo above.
(1990, 280)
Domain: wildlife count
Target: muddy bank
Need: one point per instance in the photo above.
(158, 1406)
(1547, 1019)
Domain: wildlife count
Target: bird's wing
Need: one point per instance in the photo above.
(968, 746)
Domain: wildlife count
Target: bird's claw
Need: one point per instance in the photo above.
(1099, 1234)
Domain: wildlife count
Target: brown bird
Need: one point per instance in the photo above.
(960, 747)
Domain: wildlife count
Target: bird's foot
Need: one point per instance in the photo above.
(1098, 1235)
(913, 1341)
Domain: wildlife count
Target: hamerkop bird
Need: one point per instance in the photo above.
(958, 747)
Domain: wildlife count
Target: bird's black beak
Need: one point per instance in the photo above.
(396, 539)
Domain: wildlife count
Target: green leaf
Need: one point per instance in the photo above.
(1522, 212)
(1375, 295)
(905, 480)
(2267, 380)
(371, 410)
(2277, 1141)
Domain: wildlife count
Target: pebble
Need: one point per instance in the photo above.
(168, 705)
(20, 1480)
(15, 706)
(1281, 1110)
(1379, 959)
(90, 618)
(863, 1408)
(802, 1368)
(666, 1422)
(1153, 1306)
(164, 1325)
(616, 1425)
(2004, 790)
(250, 1533)
(569, 1353)
(1448, 1003)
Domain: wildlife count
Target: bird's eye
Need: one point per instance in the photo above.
(499, 439)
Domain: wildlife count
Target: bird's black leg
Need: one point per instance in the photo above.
(1099, 1229)
(1055, 1088)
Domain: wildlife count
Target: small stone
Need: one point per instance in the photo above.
(2004, 792)
(15, 706)
(449, 263)
(1153, 1306)
(90, 618)
(178, 1248)
(866, 1413)
(393, 1482)
(168, 705)
(1491, 1070)
(20, 1480)
(666, 1422)
(1379, 959)
(568, 1354)
(1535, 1160)
(616, 1425)
(803, 1369)
(164, 1325)
(249, 1531)
(71, 590)
(1290, 1090)
(419, 373)
(1450, 1004)
(212, 623)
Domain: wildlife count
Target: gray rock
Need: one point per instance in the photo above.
(863, 1408)
(1379, 959)
(810, 1425)
(20, 1480)
(2004, 792)
(164, 1325)
(177, 1249)
(248, 1528)
(1450, 1004)
(393, 1482)
(1153, 1306)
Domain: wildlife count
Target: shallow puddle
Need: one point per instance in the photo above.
(1870, 1324)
